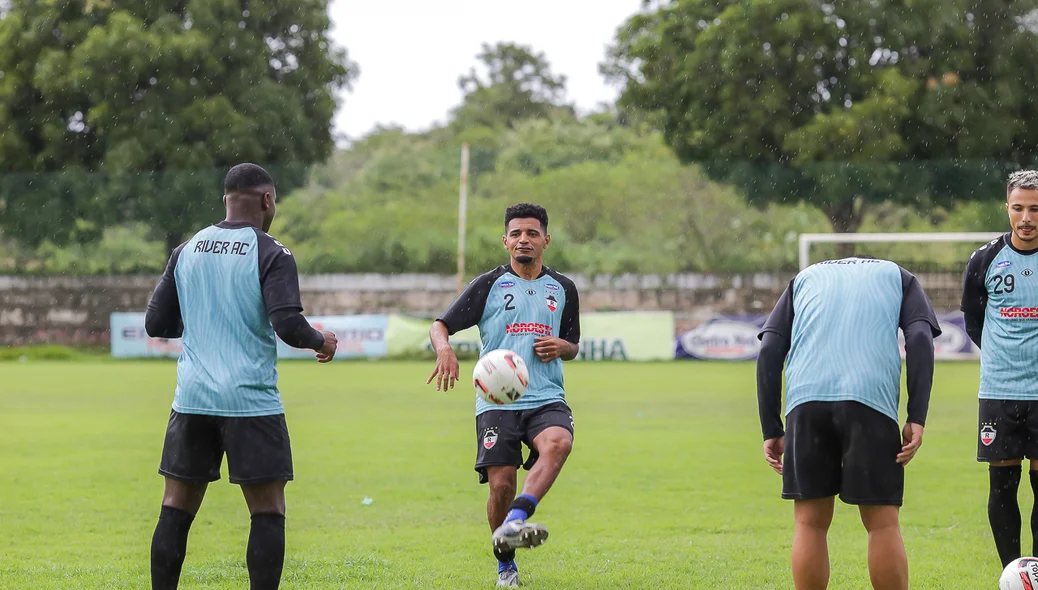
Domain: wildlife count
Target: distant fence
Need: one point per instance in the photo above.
(77, 310)
(615, 336)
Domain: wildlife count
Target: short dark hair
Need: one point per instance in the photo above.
(527, 211)
(244, 177)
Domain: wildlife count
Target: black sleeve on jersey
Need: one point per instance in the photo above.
(467, 309)
(919, 363)
(279, 282)
(163, 319)
(915, 305)
(974, 291)
(776, 339)
(569, 327)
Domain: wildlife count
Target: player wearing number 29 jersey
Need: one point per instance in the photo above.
(1000, 305)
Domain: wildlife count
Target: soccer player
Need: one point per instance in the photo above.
(838, 323)
(1000, 306)
(532, 310)
(226, 292)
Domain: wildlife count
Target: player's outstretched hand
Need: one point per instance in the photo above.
(773, 449)
(446, 371)
(913, 437)
(331, 344)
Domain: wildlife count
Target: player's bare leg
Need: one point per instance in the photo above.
(553, 446)
(265, 555)
(502, 483)
(810, 555)
(888, 563)
(180, 503)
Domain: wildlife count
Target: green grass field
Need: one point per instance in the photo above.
(666, 487)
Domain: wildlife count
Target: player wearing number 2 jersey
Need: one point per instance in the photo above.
(1000, 305)
(532, 310)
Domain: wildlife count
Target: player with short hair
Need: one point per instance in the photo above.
(1000, 306)
(838, 322)
(226, 292)
(532, 310)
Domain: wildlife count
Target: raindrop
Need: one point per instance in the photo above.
(717, 21)
(847, 103)
(843, 42)
(245, 13)
(293, 29)
(702, 24)
(841, 23)
(784, 16)
(241, 24)
(767, 47)
(194, 81)
(153, 81)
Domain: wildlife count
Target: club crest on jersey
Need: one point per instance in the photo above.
(506, 284)
(551, 287)
(552, 302)
(987, 435)
(489, 438)
(1004, 264)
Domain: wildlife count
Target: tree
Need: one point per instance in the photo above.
(841, 105)
(132, 111)
(518, 85)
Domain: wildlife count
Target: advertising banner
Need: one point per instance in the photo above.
(630, 336)
(734, 338)
(360, 336)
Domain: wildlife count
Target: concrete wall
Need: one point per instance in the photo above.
(75, 310)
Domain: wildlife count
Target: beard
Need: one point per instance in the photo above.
(524, 259)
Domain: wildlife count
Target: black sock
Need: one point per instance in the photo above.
(1004, 511)
(266, 552)
(169, 547)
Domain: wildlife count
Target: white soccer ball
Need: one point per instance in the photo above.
(1021, 574)
(500, 377)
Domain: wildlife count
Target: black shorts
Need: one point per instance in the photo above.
(842, 448)
(1008, 429)
(500, 435)
(258, 448)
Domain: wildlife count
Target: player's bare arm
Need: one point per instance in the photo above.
(549, 348)
(446, 371)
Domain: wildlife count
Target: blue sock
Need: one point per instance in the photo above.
(506, 565)
(519, 513)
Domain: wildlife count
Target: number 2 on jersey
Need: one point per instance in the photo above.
(509, 298)
(1005, 285)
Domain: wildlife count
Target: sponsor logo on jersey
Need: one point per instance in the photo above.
(489, 438)
(519, 329)
(552, 302)
(506, 284)
(551, 287)
(531, 292)
(987, 435)
(1003, 264)
(1018, 313)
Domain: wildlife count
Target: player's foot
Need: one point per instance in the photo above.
(508, 578)
(519, 534)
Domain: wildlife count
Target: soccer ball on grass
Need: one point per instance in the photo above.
(500, 377)
(1021, 574)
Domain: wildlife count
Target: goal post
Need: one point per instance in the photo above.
(889, 238)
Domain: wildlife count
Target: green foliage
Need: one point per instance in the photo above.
(901, 102)
(143, 92)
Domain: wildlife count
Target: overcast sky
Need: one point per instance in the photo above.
(411, 52)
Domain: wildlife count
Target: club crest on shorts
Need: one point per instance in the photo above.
(489, 438)
(552, 302)
(987, 434)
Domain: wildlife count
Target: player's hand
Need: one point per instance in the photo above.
(913, 437)
(331, 344)
(549, 348)
(773, 449)
(446, 371)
